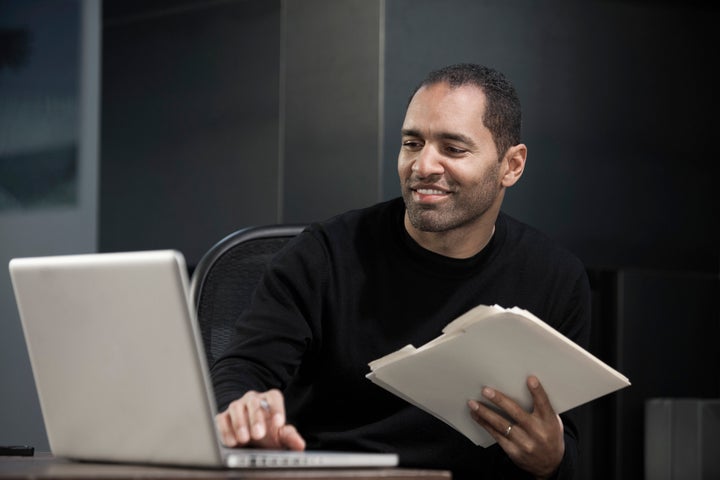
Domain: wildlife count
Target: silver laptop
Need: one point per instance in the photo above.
(119, 368)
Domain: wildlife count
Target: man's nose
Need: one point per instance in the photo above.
(428, 162)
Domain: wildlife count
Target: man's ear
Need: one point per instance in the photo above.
(514, 164)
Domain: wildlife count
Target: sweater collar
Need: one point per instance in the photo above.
(435, 263)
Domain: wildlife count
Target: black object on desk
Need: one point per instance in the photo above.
(17, 450)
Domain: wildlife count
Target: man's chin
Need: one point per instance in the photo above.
(425, 220)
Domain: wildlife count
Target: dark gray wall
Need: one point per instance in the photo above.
(666, 330)
(220, 115)
(189, 122)
(330, 107)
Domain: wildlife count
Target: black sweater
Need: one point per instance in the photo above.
(356, 287)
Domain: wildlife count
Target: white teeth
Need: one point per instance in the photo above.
(427, 191)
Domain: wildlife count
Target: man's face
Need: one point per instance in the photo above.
(448, 163)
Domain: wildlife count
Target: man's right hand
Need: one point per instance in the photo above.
(258, 419)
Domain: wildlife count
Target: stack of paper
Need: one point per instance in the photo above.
(496, 347)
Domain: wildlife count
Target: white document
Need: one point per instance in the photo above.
(496, 347)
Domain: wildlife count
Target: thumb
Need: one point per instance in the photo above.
(541, 402)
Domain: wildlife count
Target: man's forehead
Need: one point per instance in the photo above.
(469, 90)
(445, 109)
(442, 98)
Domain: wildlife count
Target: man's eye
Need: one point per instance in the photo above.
(454, 150)
(411, 144)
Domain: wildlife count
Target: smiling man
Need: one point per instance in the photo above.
(365, 283)
(453, 176)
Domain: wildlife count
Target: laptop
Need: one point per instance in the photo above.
(119, 366)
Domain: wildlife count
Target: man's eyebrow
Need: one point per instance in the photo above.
(458, 137)
(409, 132)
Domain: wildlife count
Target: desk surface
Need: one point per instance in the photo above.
(44, 467)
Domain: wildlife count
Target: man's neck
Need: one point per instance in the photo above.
(463, 242)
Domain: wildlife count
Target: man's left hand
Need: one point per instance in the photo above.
(534, 441)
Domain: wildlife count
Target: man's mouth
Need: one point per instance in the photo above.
(430, 191)
(429, 196)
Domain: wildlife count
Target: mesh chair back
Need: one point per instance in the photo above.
(224, 280)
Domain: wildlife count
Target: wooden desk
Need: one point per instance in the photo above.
(46, 467)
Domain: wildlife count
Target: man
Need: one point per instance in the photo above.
(365, 283)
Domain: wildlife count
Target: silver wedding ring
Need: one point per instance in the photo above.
(264, 405)
(507, 430)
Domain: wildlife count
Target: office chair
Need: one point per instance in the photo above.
(224, 280)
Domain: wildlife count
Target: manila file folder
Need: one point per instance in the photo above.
(497, 347)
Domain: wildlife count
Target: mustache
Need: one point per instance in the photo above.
(414, 183)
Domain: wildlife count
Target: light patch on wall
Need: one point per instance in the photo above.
(38, 104)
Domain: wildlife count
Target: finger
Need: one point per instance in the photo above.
(238, 421)
(258, 412)
(541, 402)
(495, 423)
(276, 407)
(225, 429)
(514, 411)
(289, 438)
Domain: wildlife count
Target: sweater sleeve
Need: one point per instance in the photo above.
(276, 336)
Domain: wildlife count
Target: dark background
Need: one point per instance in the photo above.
(222, 114)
